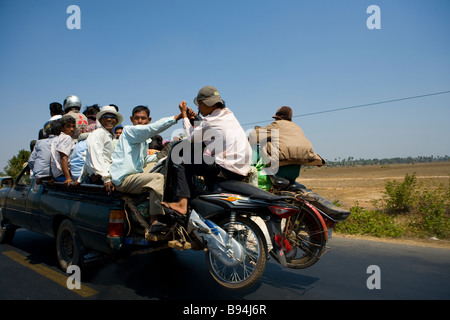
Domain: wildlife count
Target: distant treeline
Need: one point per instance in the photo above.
(350, 161)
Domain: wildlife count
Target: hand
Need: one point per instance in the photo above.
(68, 182)
(183, 108)
(109, 186)
(191, 113)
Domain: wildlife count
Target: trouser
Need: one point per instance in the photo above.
(290, 172)
(139, 183)
(185, 186)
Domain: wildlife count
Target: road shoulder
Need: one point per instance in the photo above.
(413, 242)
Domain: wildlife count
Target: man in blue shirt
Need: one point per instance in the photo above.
(39, 161)
(131, 155)
(78, 156)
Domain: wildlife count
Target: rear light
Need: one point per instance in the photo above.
(116, 222)
(284, 212)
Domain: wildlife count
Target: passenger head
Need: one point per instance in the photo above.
(109, 118)
(72, 103)
(56, 109)
(91, 111)
(53, 128)
(118, 131)
(156, 143)
(283, 113)
(140, 115)
(68, 125)
(208, 99)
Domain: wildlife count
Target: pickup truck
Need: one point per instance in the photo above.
(85, 221)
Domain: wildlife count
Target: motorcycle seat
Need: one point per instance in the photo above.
(279, 182)
(249, 190)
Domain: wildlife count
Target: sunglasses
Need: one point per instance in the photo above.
(109, 116)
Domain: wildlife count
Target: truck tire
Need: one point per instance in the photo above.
(6, 232)
(67, 247)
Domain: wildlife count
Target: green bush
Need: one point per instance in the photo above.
(433, 211)
(399, 196)
(406, 209)
(370, 222)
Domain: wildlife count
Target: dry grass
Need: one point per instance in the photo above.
(363, 184)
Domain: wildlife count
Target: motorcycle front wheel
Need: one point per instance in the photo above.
(249, 271)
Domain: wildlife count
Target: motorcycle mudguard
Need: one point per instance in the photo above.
(319, 216)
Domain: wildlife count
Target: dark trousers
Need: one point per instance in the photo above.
(185, 173)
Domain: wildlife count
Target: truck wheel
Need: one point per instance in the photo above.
(6, 232)
(67, 248)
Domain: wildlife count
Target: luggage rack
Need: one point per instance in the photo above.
(330, 210)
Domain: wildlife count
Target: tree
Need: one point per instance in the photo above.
(15, 164)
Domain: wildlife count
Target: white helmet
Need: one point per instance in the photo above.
(72, 102)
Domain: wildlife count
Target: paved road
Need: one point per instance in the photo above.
(28, 270)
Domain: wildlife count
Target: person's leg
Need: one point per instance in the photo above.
(146, 182)
(185, 186)
(290, 172)
(229, 175)
(183, 190)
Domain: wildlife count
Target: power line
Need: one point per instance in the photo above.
(359, 106)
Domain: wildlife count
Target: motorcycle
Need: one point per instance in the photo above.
(219, 221)
(304, 235)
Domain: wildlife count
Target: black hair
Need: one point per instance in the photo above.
(139, 109)
(32, 145)
(116, 128)
(221, 104)
(113, 105)
(91, 110)
(54, 128)
(66, 119)
(156, 143)
(56, 108)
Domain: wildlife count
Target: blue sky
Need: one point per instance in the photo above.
(310, 55)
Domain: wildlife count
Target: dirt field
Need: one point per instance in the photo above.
(365, 183)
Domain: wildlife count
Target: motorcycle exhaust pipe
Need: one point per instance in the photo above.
(216, 240)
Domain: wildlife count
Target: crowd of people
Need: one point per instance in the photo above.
(92, 147)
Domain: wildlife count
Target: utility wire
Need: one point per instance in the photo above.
(359, 106)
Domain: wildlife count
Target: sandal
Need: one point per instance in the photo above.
(152, 236)
(157, 227)
(169, 209)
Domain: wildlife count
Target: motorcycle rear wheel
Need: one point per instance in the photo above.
(307, 238)
(249, 271)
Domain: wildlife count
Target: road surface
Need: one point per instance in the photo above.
(353, 269)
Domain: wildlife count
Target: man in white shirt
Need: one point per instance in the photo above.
(131, 155)
(61, 151)
(100, 147)
(225, 139)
